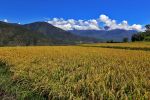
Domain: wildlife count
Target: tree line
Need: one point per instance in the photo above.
(142, 36)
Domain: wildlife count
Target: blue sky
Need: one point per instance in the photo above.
(25, 11)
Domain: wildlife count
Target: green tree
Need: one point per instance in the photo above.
(147, 38)
(138, 37)
(147, 27)
(125, 39)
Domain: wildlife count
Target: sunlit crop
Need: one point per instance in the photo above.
(76, 72)
(133, 44)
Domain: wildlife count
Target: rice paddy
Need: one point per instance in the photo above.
(76, 72)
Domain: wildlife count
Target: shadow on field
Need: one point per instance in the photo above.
(118, 47)
(11, 90)
(5, 77)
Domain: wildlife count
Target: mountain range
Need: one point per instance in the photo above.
(43, 33)
(37, 33)
(106, 35)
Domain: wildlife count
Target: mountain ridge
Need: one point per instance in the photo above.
(38, 33)
(106, 35)
(43, 33)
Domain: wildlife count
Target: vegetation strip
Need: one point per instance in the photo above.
(119, 47)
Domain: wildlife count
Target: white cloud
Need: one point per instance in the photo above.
(123, 25)
(5, 20)
(137, 27)
(93, 24)
(72, 24)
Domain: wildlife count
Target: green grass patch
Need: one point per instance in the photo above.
(10, 90)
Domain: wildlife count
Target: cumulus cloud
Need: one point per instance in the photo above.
(123, 25)
(5, 20)
(72, 24)
(93, 24)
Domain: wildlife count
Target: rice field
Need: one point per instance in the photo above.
(130, 46)
(75, 72)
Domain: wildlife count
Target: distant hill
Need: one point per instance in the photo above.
(38, 33)
(58, 35)
(14, 34)
(106, 35)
